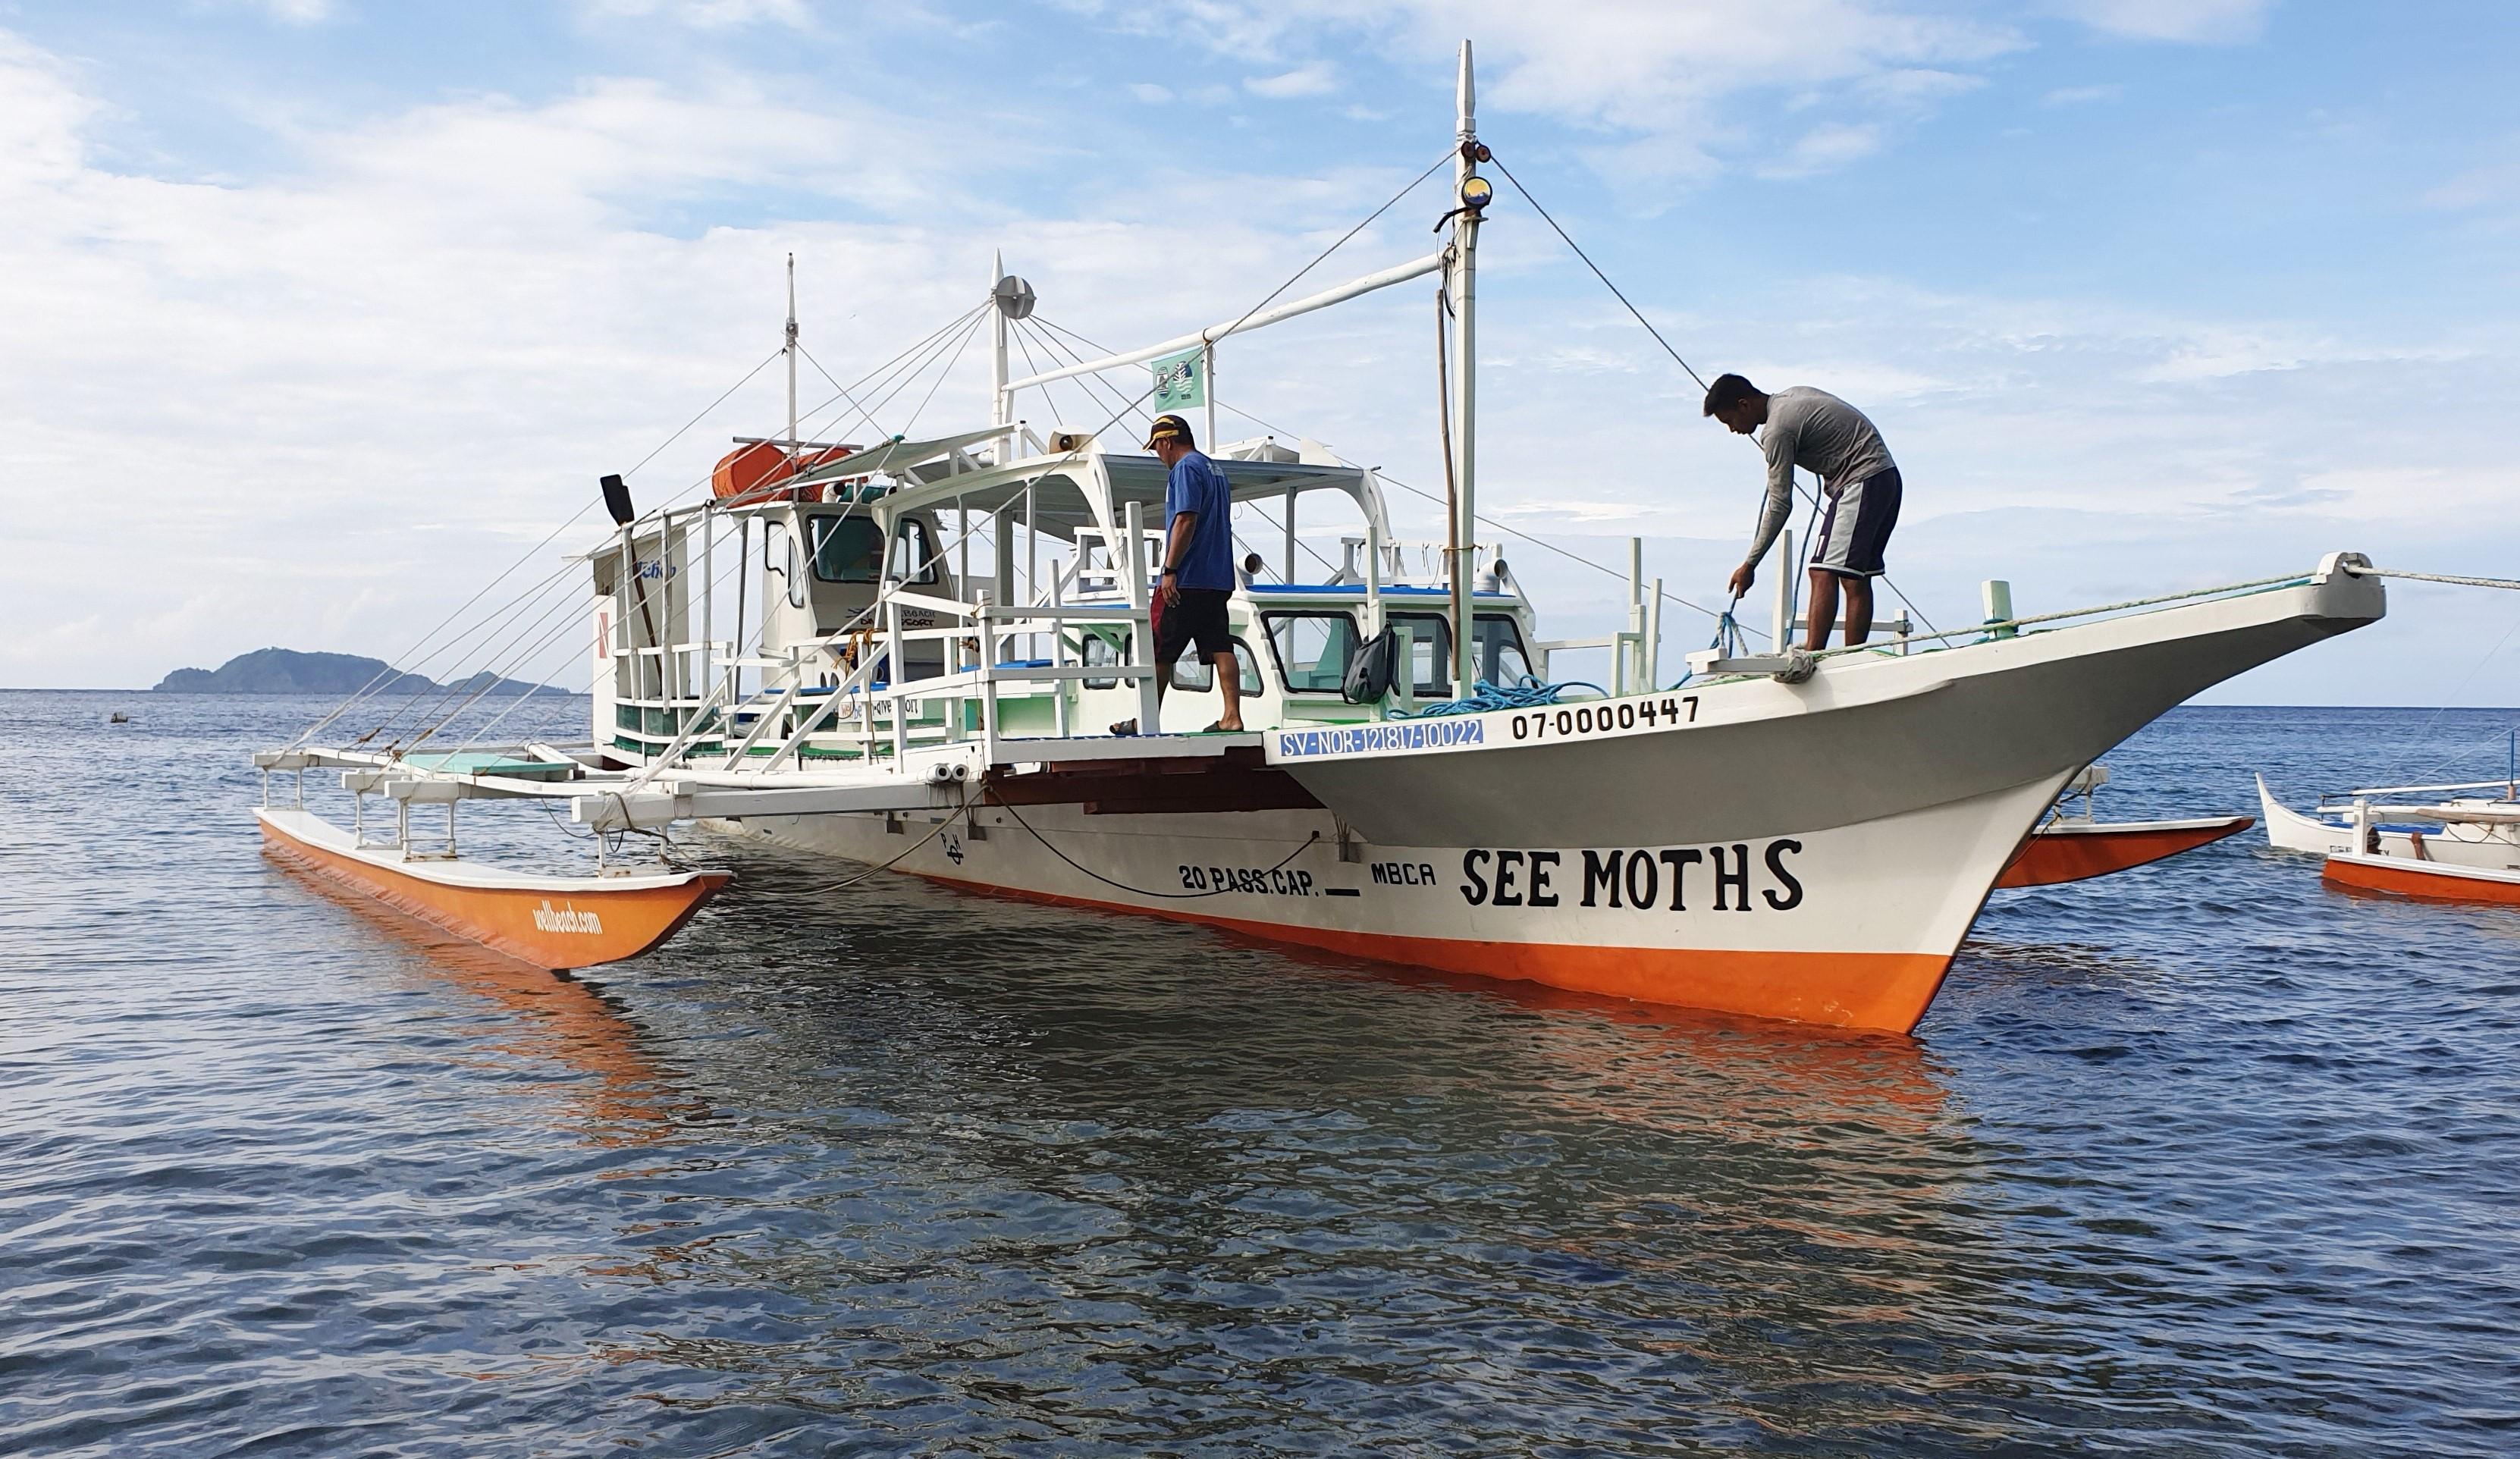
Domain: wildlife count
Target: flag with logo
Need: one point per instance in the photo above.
(1180, 379)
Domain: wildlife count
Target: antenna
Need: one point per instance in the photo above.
(1013, 299)
(1471, 193)
(790, 350)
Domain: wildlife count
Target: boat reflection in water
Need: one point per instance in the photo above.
(1116, 1160)
(616, 1097)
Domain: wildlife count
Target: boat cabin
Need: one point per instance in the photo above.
(999, 588)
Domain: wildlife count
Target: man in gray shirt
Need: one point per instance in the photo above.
(1818, 432)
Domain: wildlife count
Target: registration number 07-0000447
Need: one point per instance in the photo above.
(1605, 717)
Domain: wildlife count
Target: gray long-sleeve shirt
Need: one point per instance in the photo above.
(1818, 432)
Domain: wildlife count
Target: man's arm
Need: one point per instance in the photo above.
(1775, 511)
(1780, 507)
(1176, 548)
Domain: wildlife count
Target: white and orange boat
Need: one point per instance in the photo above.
(2372, 843)
(927, 636)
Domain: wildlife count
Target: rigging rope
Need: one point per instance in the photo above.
(2258, 585)
(886, 370)
(1530, 694)
(2465, 582)
(1048, 341)
(390, 672)
(968, 336)
(2474, 670)
(505, 660)
(935, 345)
(870, 872)
(1597, 270)
(1183, 896)
(1622, 297)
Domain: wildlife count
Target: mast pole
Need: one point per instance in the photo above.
(790, 350)
(1465, 242)
(1001, 402)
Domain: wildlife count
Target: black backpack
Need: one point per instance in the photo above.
(1370, 669)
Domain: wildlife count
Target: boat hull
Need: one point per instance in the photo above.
(1871, 736)
(555, 923)
(2424, 881)
(1852, 927)
(2288, 829)
(1813, 853)
(2075, 851)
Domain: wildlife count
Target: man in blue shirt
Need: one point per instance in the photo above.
(1198, 568)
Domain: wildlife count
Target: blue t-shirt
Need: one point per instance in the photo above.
(1196, 485)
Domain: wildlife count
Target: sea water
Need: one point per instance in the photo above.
(2202, 1159)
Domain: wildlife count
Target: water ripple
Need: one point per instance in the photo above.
(2203, 1159)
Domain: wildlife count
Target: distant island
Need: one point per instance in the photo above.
(289, 671)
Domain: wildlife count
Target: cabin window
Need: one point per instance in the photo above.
(1100, 652)
(913, 554)
(1430, 651)
(847, 549)
(779, 561)
(1496, 649)
(1200, 676)
(1312, 649)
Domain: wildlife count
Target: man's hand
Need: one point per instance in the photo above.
(1742, 577)
(1172, 592)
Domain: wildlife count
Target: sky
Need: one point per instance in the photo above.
(314, 314)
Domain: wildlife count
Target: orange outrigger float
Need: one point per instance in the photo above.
(2072, 846)
(2423, 881)
(2079, 850)
(549, 922)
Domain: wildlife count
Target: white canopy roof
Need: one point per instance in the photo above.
(1085, 489)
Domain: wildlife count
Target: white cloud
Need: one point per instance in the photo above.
(1151, 93)
(1316, 79)
(2082, 96)
(377, 371)
(286, 12)
(2195, 21)
(41, 112)
(1653, 73)
(455, 315)
(1823, 149)
(704, 15)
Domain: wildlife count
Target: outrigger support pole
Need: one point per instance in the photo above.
(1470, 195)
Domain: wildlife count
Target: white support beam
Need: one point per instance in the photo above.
(1415, 269)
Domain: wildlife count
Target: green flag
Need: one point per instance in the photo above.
(1180, 379)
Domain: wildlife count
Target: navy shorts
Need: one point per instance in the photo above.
(1857, 527)
(1199, 617)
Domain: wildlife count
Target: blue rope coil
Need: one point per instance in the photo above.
(1530, 694)
(1727, 635)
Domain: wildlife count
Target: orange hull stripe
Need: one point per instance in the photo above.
(1884, 992)
(501, 918)
(2425, 885)
(2046, 860)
